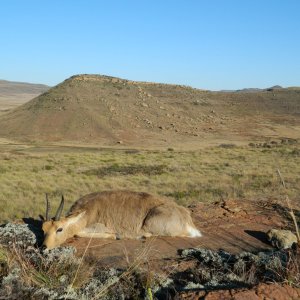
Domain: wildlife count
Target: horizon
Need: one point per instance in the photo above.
(208, 45)
(127, 79)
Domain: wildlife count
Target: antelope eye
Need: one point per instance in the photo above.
(59, 230)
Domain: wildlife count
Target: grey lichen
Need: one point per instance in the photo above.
(60, 255)
(193, 286)
(12, 286)
(12, 278)
(18, 234)
(217, 269)
(45, 293)
(161, 283)
(100, 285)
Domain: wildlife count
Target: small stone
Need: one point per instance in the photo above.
(281, 239)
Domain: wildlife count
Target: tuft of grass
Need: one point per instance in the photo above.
(291, 211)
(43, 272)
(4, 262)
(227, 146)
(116, 169)
(193, 195)
(292, 275)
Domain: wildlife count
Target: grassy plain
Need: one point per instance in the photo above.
(210, 174)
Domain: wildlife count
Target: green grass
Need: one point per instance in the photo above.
(205, 175)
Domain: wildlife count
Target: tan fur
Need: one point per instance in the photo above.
(123, 214)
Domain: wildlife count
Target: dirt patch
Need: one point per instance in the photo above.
(261, 292)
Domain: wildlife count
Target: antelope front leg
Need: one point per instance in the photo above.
(97, 230)
(97, 235)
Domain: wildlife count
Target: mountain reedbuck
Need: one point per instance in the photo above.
(118, 214)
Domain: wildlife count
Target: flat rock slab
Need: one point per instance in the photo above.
(233, 226)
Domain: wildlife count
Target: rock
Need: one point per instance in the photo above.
(282, 239)
(231, 206)
(221, 269)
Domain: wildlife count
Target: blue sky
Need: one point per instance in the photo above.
(210, 44)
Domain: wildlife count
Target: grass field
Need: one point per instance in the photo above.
(211, 174)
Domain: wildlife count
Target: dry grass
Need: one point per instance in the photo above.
(211, 174)
(42, 273)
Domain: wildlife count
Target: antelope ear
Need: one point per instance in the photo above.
(74, 218)
(46, 226)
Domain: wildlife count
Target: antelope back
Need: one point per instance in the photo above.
(123, 212)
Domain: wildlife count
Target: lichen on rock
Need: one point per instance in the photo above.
(220, 269)
(18, 234)
(281, 239)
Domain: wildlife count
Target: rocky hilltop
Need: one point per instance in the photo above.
(105, 110)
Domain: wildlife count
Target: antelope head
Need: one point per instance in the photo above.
(57, 229)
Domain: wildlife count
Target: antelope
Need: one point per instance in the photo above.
(118, 214)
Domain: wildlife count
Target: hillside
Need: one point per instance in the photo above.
(106, 110)
(13, 94)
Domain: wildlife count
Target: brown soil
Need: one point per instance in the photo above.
(261, 292)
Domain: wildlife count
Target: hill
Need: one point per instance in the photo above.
(105, 110)
(13, 94)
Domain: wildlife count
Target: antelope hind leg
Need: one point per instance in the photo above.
(168, 220)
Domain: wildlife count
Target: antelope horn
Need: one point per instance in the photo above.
(47, 208)
(60, 208)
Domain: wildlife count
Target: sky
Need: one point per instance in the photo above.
(209, 44)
